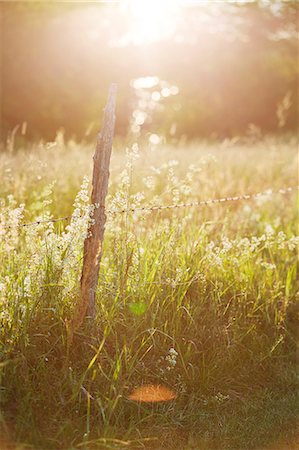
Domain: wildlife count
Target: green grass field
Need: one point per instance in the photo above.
(202, 300)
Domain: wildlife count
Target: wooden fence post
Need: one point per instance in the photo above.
(94, 241)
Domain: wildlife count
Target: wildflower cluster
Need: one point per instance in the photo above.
(42, 255)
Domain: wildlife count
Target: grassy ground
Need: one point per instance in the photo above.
(201, 300)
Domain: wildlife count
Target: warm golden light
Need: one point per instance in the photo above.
(151, 393)
(151, 20)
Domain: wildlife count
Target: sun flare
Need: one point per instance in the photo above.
(152, 20)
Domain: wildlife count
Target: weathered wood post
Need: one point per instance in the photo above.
(94, 241)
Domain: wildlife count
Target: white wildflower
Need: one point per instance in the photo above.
(269, 230)
(293, 243)
(268, 266)
(171, 358)
(149, 182)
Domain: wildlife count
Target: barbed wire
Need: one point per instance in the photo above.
(207, 202)
(198, 203)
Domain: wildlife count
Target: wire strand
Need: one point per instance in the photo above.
(152, 208)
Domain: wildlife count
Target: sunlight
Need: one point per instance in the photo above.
(152, 20)
(151, 393)
(149, 224)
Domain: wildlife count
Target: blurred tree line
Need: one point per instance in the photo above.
(235, 64)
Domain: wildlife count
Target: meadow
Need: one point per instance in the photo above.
(201, 300)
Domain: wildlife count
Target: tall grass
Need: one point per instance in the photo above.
(202, 300)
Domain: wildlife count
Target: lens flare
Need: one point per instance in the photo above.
(152, 20)
(151, 393)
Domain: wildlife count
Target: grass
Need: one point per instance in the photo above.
(201, 300)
